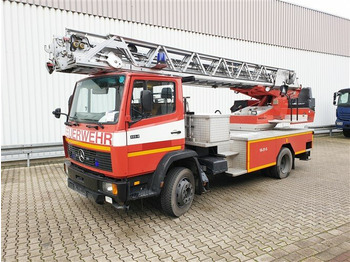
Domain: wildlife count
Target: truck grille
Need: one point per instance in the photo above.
(344, 116)
(99, 160)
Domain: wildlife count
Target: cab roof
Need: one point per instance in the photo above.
(345, 90)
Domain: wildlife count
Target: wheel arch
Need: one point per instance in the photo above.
(290, 147)
(184, 158)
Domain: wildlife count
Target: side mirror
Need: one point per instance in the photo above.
(334, 98)
(57, 112)
(146, 100)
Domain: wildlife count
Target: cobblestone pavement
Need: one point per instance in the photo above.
(253, 217)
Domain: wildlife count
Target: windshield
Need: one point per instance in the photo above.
(344, 99)
(97, 100)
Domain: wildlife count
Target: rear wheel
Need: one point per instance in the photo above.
(283, 165)
(178, 192)
(346, 132)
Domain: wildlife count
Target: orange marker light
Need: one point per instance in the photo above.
(114, 189)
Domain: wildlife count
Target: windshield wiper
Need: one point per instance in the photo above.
(71, 123)
(95, 126)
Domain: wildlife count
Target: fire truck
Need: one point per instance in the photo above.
(130, 134)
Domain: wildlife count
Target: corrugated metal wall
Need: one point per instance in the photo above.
(266, 21)
(29, 93)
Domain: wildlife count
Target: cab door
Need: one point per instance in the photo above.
(154, 132)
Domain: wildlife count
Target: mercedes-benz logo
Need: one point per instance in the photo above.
(81, 155)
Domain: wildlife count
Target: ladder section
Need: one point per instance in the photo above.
(86, 53)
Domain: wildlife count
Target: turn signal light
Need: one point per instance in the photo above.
(114, 189)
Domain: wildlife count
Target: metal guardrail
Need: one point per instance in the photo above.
(30, 150)
(325, 129)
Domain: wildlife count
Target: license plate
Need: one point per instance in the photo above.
(109, 199)
(339, 123)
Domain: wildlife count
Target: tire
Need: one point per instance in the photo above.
(178, 192)
(283, 165)
(346, 132)
(267, 172)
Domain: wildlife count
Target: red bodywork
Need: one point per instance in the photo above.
(262, 153)
(279, 105)
(130, 160)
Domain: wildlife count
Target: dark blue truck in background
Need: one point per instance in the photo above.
(343, 110)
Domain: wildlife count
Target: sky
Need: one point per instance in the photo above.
(335, 7)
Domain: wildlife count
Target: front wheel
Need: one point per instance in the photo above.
(346, 132)
(178, 192)
(283, 165)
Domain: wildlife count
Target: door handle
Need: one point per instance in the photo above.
(175, 132)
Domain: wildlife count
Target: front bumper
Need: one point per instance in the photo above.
(90, 186)
(342, 124)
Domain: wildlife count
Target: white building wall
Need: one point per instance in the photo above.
(265, 21)
(29, 94)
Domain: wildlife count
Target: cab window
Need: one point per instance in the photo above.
(163, 94)
(344, 99)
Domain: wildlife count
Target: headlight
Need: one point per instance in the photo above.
(110, 188)
(339, 123)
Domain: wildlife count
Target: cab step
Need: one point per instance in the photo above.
(228, 153)
(236, 172)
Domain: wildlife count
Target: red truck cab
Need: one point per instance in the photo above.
(119, 128)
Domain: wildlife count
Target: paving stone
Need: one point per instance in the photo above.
(336, 251)
(319, 247)
(291, 248)
(278, 253)
(264, 258)
(335, 232)
(324, 256)
(294, 257)
(62, 259)
(344, 228)
(37, 259)
(343, 257)
(312, 259)
(345, 245)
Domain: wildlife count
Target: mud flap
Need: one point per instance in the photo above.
(203, 182)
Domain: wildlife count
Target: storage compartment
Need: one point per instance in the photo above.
(213, 165)
(208, 128)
